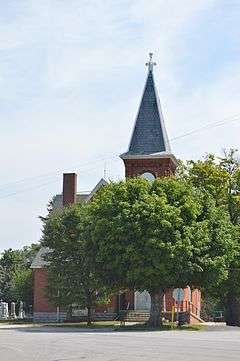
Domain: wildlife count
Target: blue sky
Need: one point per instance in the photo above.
(71, 77)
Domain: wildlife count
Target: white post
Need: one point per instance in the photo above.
(20, 312)
(13, 310)
(58, 314)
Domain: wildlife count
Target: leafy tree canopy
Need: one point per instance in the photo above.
(158, 235)
(16, 276)
(220, 177)
(71, 276)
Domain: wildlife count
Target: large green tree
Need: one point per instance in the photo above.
(220, 177)
(71, 274)
(16, 275)
(158, 235)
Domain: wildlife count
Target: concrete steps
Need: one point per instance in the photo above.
(143, 316)
(195, 318)
(134, 316)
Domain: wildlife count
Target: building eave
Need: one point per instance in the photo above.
(161, 155)
(100, 184)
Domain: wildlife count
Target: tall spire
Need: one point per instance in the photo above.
(149, 134)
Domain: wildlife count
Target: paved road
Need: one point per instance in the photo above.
(41, 344)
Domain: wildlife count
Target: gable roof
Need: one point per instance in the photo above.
(101, 183)
(149, 134)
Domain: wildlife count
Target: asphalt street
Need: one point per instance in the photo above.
(57, 344)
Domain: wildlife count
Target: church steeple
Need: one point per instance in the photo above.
(149, 135)
(149, 138)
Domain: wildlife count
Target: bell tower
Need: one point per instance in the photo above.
(149, 154)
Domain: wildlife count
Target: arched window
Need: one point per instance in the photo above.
(148, 175)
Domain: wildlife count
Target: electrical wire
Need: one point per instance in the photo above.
(54, 173)
(208, 126)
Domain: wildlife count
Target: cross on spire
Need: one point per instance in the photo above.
(150, 64)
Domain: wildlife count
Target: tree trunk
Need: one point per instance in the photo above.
(233, 310)
(155, 319)
(69, 313)
(89, 316)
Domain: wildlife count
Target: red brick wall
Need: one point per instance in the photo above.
(160, 167)
(192, 300)
(69, 188)
(111, 306)
(169, 300)
(40, 301)
(129, 297)
(196, 298)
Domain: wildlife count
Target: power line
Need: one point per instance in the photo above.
(54, 173)
(27, 189)
(208, 126)
(36, 186)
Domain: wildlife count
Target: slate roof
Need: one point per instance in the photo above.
(101, 183)
(39, 261)
(149, 135)
(58, 200)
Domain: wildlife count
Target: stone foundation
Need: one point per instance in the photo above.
(48, 317)
(52, 317)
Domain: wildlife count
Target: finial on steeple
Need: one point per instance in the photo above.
(150, 64)
(105, 171)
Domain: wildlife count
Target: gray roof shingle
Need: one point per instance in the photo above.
(39, 261)
(149, 134)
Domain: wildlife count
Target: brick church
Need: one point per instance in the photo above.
(149, 156)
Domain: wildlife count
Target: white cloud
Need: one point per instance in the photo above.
(72, 76)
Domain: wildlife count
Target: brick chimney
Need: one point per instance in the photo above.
(69, 188)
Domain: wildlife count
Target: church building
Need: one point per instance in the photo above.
(149, 156)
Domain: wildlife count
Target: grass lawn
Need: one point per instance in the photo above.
(164, 327)
(94, 325)
(115, 325)
(30, 323)
(111, 325)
